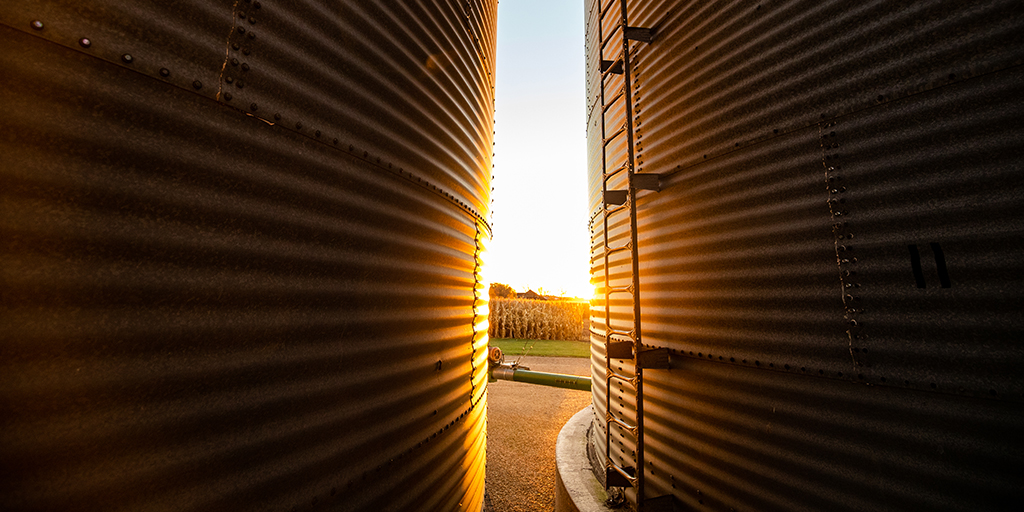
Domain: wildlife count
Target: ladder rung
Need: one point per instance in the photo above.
(615, 332)
(623, 378)
(642, 34)
(610, 175)
(605, 41)
(620, 289)
(630, 428)
(611, 67)
(615, 196)
(614, 135)
(618, 476)
(615, 209)
(602, 10)
(613, 250)
(611, 102)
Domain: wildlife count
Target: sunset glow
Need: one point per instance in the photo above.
(541, 238)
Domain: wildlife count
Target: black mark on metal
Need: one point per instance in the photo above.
(915, 265)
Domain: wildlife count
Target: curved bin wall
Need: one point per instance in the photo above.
(835, 256)
(240, 254)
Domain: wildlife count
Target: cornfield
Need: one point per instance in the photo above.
(539, 319)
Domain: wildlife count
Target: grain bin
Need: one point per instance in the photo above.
(808, 240)
(241, 246)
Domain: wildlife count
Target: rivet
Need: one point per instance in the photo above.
(85, 42)
(253, 106)
(234, 62)
(277, 117)
(335, 142)
(240, 84)
(241, 30)
(229, 79)
(252, 20)
(241, 14)
(127, 58)
(164, 72)
(317, 133)
(252, 35)
(298, 126)
(246, 51)
(245, 66)
(227, 96)
(38, 25)
(236, 46)
(257, 5)
(197, 84)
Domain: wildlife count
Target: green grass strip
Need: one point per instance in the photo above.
(542, 348)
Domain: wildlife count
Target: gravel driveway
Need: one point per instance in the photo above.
(523, 421)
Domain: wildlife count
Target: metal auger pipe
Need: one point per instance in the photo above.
(557, 380)
(499, 369)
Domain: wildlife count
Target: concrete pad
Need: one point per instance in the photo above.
(576, 487)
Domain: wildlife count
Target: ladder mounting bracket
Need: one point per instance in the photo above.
(647, 181)
(611, 66)
(654, 359)
(620, 350)
(615, 197)
(644, 35)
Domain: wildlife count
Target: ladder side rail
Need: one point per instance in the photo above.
(637, 338)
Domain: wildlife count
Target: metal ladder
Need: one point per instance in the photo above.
(622, 340)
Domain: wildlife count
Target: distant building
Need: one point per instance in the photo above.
(530, 294)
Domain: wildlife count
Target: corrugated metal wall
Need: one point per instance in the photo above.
(240, 248)
(836, 257)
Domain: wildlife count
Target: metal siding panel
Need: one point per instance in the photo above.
(205, 311)
(729, 437)
(809, 371)
(738, 263)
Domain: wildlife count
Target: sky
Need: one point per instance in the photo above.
(539, 210)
